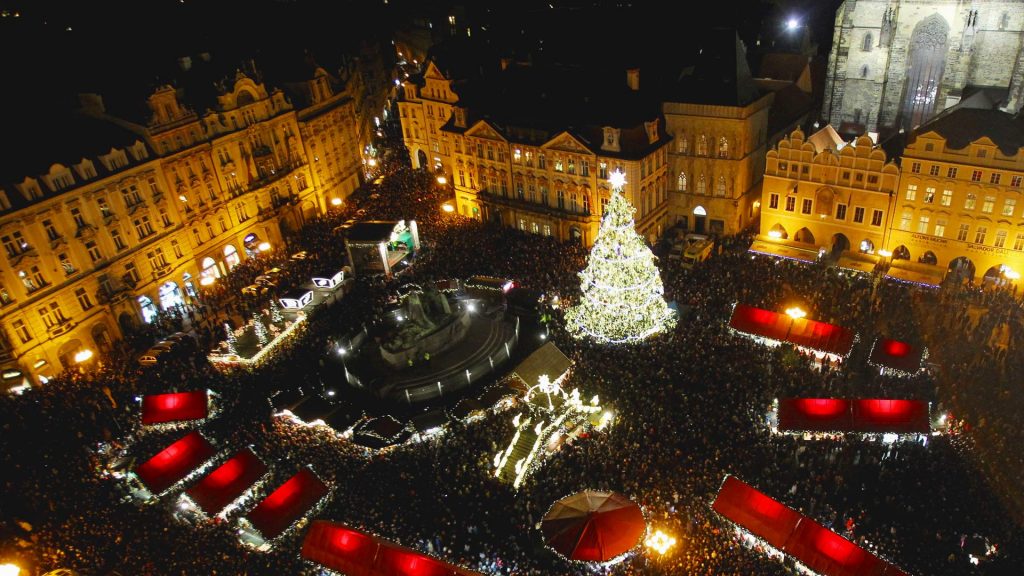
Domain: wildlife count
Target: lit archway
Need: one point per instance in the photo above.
(778, 232)
(170, 296)
(901, 253)
(840, 244)
(804, 235)
(960, 270)
(231, 257)
(929, 257)
(210, 268)
(867, 246)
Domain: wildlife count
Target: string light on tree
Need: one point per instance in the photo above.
(621, 287)
(275, 312)
(232, 339)
(259, 329)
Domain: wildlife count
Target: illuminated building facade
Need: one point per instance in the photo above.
(959, 207)
(817, 194)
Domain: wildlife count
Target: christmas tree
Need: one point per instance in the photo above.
(232, 340)
(259, 329)
(621, 287)
(275, 312)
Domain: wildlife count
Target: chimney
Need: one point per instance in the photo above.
(633, 79)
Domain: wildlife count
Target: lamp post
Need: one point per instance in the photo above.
(794, 314)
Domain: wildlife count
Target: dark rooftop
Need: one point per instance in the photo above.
(962, 125)
(371, 231)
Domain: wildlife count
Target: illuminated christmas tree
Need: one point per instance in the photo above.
(260, 329)
(621, 287)
(232, 340)
(275, 312)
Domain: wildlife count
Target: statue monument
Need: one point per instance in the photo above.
(427, 325)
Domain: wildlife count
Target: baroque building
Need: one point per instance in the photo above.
(532, 148)
(894, 64)
(163, 200)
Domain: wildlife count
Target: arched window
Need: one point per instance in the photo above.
(682, 181)
(864, 71)
(720, 186)
(702, 145)
(702, 185)
(723, 147)
(682, 145)
(869, 42)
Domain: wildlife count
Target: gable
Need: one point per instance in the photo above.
(433, 72)
(566, 142)
(484, 130)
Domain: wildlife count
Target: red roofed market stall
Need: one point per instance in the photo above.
(896, 355)
(818, 336)
(222, 486)
(175, 462)
(874, 415)
(781, 527)
(288, 503)
(176, 407)
(593, 526)
(356, 553)
(765, 517)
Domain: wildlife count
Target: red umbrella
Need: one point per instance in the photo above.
(593, 526)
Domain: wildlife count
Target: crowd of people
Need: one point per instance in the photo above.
(690, 409)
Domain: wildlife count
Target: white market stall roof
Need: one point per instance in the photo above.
(546, 360)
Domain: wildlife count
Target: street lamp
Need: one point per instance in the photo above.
(9, 569)
(264, 246)
(442, 180)
(80, 357)
(794, 313)
(660, 542)
(792, 24)
(335, 201)
(448, 208)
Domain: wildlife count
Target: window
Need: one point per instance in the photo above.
(1015, 181)
(130, 271)
(542, 161)
(196, 237)
(682, 186)
(209, 230)
(868, 43)
(929, 147)
(66, 264)
(602, 170)
(1008, 206)
(982, 153)
(915, 167)
(783, 166)
(905, 219)
(988, 204)
(971, 202)
(979, 234)
(51, 315)
(840, 211)
(1000, 239)
(547, 230)
(947, 197)
(156, 258)
(1018, 242)
(976, 176)
(83, 299)
(961, 234)
(876, 217)
(51, 232)
(571, 168)
(544, 195)
(143, 227)
(940, 227)
(37, 277)
(559, 167)
(773, 201)
(790, 203)
(131, 195)
(490, 152)
(702, 145)
(683, 145)
(951, 172)
(859, 177)
(586, 204)
(479, 150)
(176, 248)
(723, 147)
(604, 205)
(846, 174)
(167, 219)
(805, 206)
(223, 224)
(929, 195)
(720, 187)
(574, 203)
(94, 251)
(934, 170)
(534, 227)
(994, 179)
(911, 192)
(115, 235)
(858, 214)
(585, 168)
(922, 224)
(240, 213)
(11, 246)
(702, 185)
(561, 199)
(22, 331)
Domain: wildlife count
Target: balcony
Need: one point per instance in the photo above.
(548, 210)
(62, 327)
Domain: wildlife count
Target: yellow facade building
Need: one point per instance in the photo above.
(545, 172)
(819, 194)
(959, 208)
(98, 244)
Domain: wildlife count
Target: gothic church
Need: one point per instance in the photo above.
(896, 63)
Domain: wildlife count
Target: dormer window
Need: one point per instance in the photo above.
(611, 139)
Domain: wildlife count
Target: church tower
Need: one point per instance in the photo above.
(894, 64)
